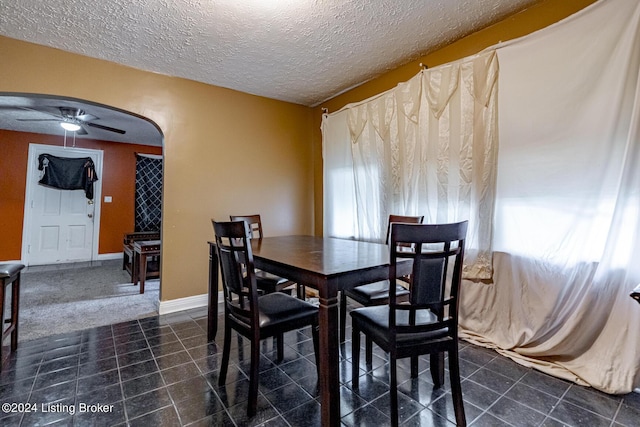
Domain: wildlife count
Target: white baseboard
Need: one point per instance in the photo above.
(187, 303)
(107, 257)
(101, 257)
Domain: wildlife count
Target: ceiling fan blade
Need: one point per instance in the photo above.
(86, 117)
(81, 131)
(42, 112)
(110, 129)
(38, 120)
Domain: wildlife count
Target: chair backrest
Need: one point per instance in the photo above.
(437, 251)
(401, 219)
(233, 245)
(255, 224)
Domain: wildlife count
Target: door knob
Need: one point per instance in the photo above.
(90, 215)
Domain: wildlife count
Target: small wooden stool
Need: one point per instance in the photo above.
(143, 250)
(10, 275)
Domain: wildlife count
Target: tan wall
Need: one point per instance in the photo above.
(228, 152)
(539, 16)
(225, 152)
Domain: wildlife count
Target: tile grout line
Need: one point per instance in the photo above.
(120, 382)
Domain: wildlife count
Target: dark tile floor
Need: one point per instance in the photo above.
(161, 371)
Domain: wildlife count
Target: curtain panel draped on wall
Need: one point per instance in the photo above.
(427, 147)
(566, 232)
(567, 228)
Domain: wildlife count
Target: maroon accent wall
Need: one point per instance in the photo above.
(118, 181)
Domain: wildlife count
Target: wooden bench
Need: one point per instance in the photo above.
(143, 252)
(128, 258)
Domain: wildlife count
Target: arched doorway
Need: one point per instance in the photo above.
(34, 119)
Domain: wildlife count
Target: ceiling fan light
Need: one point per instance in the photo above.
(71, 127)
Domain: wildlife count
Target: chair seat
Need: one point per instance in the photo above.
(277, 309)
(8, 270)
(374, 321)
(268, 280)
(269, 283)
(375, 293)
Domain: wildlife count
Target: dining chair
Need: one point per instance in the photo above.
(427, 323)
(250, 314)
(267, 282)
(374, 293)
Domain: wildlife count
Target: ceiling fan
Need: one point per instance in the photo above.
(70, 116)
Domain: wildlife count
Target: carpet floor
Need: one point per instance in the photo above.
(60, 300)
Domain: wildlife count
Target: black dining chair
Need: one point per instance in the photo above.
(251, 314)
(268, 282)
(375, 293)
(427, 323)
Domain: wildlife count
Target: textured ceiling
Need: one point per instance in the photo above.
(300, 51)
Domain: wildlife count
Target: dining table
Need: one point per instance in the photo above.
(328, 265)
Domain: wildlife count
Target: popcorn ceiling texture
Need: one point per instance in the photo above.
(302, 51)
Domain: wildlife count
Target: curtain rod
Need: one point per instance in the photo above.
(422, 66)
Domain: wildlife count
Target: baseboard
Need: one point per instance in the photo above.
(180, 304)
(101, 257)
(107, 257)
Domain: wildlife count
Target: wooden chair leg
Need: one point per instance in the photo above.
(456, 389)
(393, 390)
(437, 369)
(368, 351)
(226, 349)
(2, 310)
(343, 316)
(15, 305)
(253, 377)
(301, 291)
(280, 346)
(414, 367)
(355, 355)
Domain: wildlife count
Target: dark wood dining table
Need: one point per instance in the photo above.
(327, 265)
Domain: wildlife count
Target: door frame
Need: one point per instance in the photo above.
(32, 169)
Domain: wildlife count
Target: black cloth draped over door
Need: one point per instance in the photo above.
(68, 173)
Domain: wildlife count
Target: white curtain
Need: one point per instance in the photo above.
(427, 147)
(566, 228)
(567, 234)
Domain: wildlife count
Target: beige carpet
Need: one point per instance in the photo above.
(56, 300)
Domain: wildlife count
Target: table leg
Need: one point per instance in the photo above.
(329, 358)
(142, 271)
(212, 325)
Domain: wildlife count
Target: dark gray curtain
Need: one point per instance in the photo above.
(148, 193)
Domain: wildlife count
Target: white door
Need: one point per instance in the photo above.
(60, 225)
